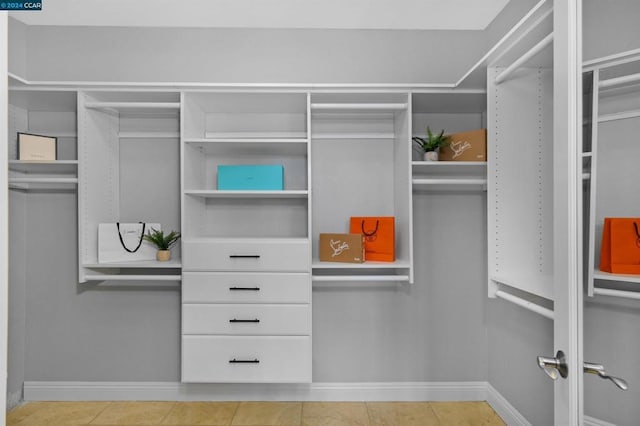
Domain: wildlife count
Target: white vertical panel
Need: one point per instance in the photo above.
(98, 171)
(4, 221)
(520, 181)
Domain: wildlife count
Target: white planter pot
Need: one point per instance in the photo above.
(431, 156)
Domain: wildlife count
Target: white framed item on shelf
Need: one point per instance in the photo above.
(124, 242)
(33, 147)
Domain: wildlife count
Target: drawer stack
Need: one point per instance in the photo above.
(246, 311)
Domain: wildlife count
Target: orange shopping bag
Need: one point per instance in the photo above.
(620, 248)
(379, 237)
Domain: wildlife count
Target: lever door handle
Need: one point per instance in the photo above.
(554, 367)
(599, 371)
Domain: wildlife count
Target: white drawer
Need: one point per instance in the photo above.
(246, 255)
(246, 287)
(246, 319)
(262, 359)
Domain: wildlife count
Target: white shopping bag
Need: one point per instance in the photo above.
(123, 242)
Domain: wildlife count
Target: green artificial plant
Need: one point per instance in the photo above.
(161, 241)
(432, 142)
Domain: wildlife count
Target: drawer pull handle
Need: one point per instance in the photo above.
(244, 256)
(244, 320)
(245, 288)
(244, 361)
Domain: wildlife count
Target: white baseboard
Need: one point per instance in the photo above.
(172, 391)
(505, 410)
(590, 421)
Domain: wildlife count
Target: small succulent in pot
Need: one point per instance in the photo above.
(431, 144)
(162, 242)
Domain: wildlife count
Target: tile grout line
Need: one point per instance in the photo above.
(101, 411)
(175, 403)
(234, 412)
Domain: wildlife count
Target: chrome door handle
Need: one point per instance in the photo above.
(598, 370)
(554, 367)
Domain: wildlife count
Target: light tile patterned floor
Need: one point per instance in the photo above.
(254, 414)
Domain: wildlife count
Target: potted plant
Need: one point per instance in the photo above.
(162, 242)
(431, 144)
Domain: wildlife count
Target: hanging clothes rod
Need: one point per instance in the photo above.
(540, 310)
(619, 116)
(524, 58)
(616, 293)
(618, 81)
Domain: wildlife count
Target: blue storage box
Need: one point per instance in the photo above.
(251, 177)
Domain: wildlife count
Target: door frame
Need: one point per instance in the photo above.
(4, 201)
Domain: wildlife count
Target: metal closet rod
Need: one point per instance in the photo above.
(533, 307)
(616, 293)
(618, 81)
(524, 58)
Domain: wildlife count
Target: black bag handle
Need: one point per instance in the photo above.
(139, 242)
(635, 226)
(372, 233)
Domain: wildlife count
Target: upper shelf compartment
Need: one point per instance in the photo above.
(212, 117)
(166, 104)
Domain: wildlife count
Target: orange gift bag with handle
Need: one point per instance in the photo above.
(620, 248)
(379, 236)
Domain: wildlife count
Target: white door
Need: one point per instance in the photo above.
(567, 116)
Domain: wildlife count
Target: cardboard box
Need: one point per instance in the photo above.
(36, 147)
(347, 248)
(251, 177)
(466, 146)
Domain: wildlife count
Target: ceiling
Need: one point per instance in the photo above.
(320, 14)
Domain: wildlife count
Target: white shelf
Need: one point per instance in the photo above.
(171, 264)
(233, 240)
(134, 107)
(292, 146)
(43, 180)
(149, 135)
(204, 141)
(57, 166)
(247, 194)
(449, 181)
(607, 276)
(366, 265)
(453, 165)
(234, 136)
(359, 107)
(359, 278)
(330, 136)
(105, 277)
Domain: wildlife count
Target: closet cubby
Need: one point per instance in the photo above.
(48, 113)
(452, 111)
(129, 172)
(360, 149)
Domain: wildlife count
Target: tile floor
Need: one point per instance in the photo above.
(254, 414)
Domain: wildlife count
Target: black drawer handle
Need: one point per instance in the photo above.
(244, 288)
(244, 256)
(244, 361)
(244, 320)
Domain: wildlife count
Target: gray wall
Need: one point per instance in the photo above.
(248, 55)
(18, 48)
(17, 296)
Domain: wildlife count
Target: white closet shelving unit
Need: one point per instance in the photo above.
(520, 161)
(361, 166)
(128, 172)
(49, 113)
(246, 295)
(611, 126)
